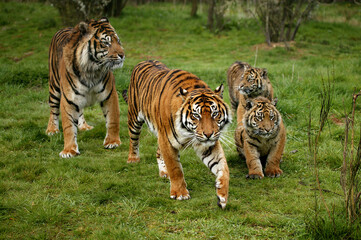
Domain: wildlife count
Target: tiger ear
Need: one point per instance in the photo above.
(249, 104)
(104, 19)
(83, 27)
(264, 73)
(219, 91)
(274, 102)
(183, 93)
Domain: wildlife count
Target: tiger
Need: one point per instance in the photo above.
(182, 111)
(262, 138)
(81, 60)
(244, 82)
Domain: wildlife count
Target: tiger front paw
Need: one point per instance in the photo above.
(85, 127)
(180, 194)
(69, 153)
(51, 130)
(163, 174)
(111, 143)
(274, 172)
(133, 158)
(222, 192)
(254, 175)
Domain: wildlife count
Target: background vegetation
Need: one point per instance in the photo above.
(97, 195)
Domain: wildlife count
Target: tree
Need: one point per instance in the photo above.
(281, 19)
(216, 11)
(74, 11)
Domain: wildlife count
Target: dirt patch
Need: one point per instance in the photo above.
(337, 121)
(265, 46)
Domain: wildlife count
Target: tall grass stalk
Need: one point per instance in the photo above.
(326, 102)
(351, 167)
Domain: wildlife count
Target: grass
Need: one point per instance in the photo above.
(97, 195)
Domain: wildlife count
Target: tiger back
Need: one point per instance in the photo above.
(81, 60)
(181, 110)
(262, 138)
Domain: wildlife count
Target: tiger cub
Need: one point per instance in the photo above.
(181, 110)
(81, 60)
(245, 82)
(261, 139)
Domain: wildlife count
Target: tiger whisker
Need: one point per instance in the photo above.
(226, 141)
(191, 142)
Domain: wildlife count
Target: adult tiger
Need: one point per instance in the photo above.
(181, 110)
(81, 60)
(245, 82)
(262, 138)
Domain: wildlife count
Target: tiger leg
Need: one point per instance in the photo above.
(238, 137)
(69, 119)
(253, 161)
(178, 186)
(54, 103)
(240, 113)
(134, 129)
(82, 124)
(272, 168)
(111, 113)
(213, 157)
(161, 165)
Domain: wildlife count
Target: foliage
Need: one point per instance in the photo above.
(334, 226)
(97, 195)
(351, 168)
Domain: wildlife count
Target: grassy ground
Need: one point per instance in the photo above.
(97, 195)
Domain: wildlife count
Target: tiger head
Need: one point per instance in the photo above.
(262, 119)
(100, 47)
(204, 114)
(253, 81)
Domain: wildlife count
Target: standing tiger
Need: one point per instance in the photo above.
(245, 82)
(81, 60)
(262, 138)
(181, 110)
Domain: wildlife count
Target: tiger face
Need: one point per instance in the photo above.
(103, 48)
(205, 115)
(253, 81)
(262, 118)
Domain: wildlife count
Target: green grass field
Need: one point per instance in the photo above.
(97, 195)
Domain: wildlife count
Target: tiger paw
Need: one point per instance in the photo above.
(69, 153)
(255, 175)
(85, 127)
(222, 194)
(163, 174)
(52, 130)
(222, 202)
(181, 194)
(111, 143)
(133, 159)
(274, 172)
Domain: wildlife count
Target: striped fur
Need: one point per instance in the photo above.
(262, 138)
(245, 82)
(181, 110)
(81, 60)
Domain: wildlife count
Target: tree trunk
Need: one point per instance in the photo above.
(194, 8)
(211, 9)
(115, 7)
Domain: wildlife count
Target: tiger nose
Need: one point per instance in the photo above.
(207, 135)
(121, 55)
